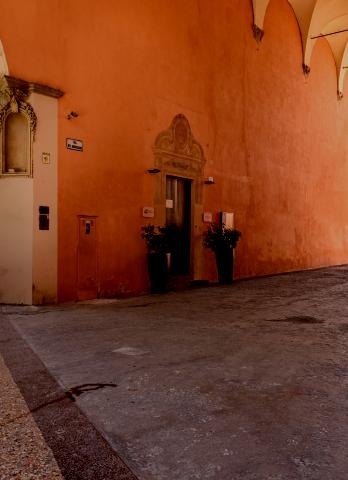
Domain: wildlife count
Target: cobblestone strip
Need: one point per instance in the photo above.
(79, 449)
(24, 454)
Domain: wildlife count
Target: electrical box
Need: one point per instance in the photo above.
(44, 221)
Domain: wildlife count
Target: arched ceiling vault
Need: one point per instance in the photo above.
(3, 63)
(316, 18)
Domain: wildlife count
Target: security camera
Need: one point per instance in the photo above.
(72, 115)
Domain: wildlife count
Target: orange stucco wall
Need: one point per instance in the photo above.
(275, 141)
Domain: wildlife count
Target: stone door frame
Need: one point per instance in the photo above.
(178, 154)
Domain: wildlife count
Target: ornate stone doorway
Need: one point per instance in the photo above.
(179, 191)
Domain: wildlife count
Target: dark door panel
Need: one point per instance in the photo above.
(178, 216)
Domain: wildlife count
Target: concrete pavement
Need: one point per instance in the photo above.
(240, 382)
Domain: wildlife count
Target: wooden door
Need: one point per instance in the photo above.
(87, 286)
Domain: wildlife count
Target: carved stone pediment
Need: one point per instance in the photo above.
(177, 153)
(13, 83)
(13, 100)
(176, 147)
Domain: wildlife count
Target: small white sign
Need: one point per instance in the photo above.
(148, 212)
(169, 203)
(228, 219)
(74, 144)
(207, 217)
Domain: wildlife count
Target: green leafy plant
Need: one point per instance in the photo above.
(219, 237)
(157, 239)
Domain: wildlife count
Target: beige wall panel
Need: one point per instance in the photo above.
(16, 240)
(45, 194)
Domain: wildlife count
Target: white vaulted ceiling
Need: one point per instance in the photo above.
(317, 18)
(3, 63)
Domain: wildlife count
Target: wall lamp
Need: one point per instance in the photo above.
(153, 170)
(209, 181)
(72, 115)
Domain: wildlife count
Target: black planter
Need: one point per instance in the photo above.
(224, 263)
(157, 264)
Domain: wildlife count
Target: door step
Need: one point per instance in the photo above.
(179, 282)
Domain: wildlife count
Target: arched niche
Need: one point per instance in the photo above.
(17, 132)
(16, 144)
(178, 154)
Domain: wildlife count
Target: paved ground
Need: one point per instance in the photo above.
(23, 451)
(242, 382)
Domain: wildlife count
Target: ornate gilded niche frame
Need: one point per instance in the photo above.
(13, 101)
(177, 153)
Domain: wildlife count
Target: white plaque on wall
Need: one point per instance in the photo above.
(169, 203)
(228, 219)
(148, 212)
(207, 217)
(74, 144)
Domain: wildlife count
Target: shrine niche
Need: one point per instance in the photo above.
(17, 130)
(177, 150)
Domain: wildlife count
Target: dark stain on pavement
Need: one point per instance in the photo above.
(71, 394)
(86, 387)
(343, 328)
(303, 319)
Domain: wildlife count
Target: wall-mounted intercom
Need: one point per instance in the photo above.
(44, 222)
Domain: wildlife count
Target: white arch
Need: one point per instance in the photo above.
(326, 13)
(315, 18)
(3, 63)
(343, 71)
(303, 10)
(259, 8)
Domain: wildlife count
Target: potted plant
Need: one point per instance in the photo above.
(158, 256)
(222, 240)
